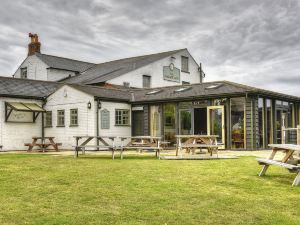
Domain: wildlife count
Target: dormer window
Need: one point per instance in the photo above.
(184, 64)
(24, 73)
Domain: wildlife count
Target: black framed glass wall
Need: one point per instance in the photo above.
(169, 110)
(155, 121)
(268, 121)
(261, 120)
(237, 109)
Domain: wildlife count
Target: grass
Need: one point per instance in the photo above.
(45, 189)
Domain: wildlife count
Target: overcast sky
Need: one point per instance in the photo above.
(255, 42)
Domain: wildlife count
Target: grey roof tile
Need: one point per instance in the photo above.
(109, 70)
(64, 63)
(24, 88)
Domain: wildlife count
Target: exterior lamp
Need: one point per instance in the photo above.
(89, 105)
(99, 105)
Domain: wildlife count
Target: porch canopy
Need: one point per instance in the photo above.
(23, 107)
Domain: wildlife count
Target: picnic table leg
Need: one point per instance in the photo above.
(265, 167)
(53, 144)
(297, 180)
(32, 145)
(122, 148)
(76, 148)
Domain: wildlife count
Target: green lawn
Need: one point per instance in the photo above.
(45, 189)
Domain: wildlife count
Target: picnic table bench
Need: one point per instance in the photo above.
(102, 144)
(141, 143)
(287, 162)
(42, 145)
(193, 142)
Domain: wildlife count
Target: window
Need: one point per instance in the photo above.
(60, 118)
(184, 64)
(24, 72)
(126, 84)
(146, 81)
(49, 119)
(73, 117)
(122, 117)
(105, 117)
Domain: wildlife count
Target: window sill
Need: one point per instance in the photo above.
(119, 125)
(185, 71)
(61, 126)
(73, 125)
(48, 126)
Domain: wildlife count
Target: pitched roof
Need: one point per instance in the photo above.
(109, 70)
(64, 63)
(25, 88)
(214, 89)
(105, 93)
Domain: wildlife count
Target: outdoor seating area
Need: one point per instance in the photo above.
(137, 143)
(288, 161)
(42, 143)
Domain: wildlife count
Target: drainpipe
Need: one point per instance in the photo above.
(97, 119)
(43, 120)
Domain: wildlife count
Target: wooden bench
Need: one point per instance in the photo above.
(105, 146)
(287, 162)
(291, 167)
(141, 143)
(193, 142)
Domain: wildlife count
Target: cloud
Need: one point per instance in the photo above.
(253, 42)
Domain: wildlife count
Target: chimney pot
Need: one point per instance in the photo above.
(34, 46)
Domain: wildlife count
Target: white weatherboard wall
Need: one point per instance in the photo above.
(36, 68)
(114, 130)
(155, 70)
(67, 98)
(13, 136)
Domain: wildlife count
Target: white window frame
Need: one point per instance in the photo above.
(122, 117)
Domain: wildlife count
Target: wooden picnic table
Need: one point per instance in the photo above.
(43, 144)
(192, 142)
(141, 143)
(102, 144)
(287, 161)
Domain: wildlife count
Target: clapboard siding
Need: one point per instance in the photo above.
(146, 120)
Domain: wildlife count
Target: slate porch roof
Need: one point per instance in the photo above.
(25, 88)
(204, 90)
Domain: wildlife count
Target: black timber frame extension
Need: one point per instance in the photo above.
(251, 115)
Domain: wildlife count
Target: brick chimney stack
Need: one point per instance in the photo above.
(34, 46)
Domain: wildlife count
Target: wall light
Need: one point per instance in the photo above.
(89, 105)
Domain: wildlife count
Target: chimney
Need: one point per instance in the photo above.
(34, 46)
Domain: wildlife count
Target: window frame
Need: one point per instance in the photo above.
(186, 70)
(61, 116)
(148, 77)
(46, 119)
(71, 118)
(120, 121)
(22, 72)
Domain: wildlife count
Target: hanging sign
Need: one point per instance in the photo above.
(171, 73)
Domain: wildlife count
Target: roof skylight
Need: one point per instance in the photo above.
(153, 92)
(214, 86)
(182, 89)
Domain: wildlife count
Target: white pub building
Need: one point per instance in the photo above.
(161, 94)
